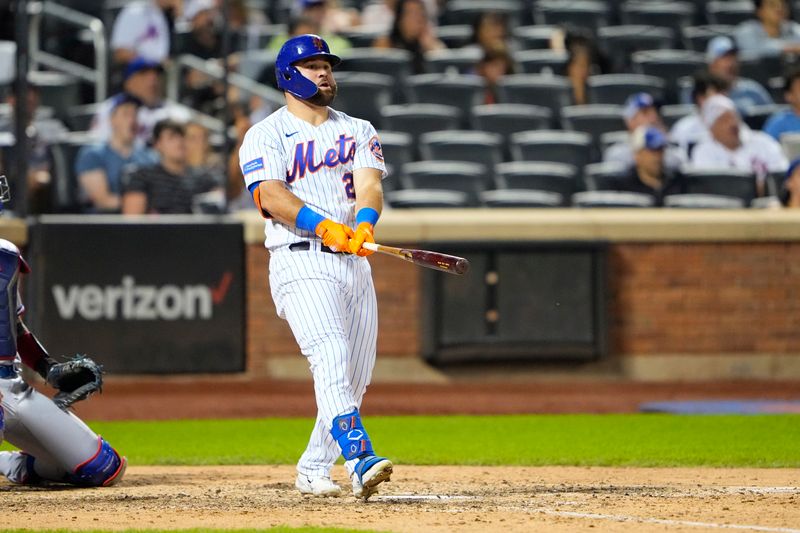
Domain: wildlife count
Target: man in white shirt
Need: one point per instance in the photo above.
(142, 30)
(735, 146)
(690, 130)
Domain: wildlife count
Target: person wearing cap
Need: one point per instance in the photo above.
(142, 29)
(772, 33)
(722, 57)
(690, 130)
(317, 17)
(143, 81)
(789, 193)
(640, 109)
(787, 121)
(100, 166)
(649, 174)
(733, 145)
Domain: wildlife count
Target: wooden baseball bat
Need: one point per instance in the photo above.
(446, 263)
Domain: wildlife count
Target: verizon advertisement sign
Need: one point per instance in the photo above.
(140, 298)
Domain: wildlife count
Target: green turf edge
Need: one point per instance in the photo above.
(642, 440)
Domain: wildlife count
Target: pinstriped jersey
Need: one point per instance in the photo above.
(315, 162)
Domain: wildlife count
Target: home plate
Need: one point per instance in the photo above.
(417, 497)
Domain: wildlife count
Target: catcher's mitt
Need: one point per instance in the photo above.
(75, 380)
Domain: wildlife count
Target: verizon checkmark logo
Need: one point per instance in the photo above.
(218, 293)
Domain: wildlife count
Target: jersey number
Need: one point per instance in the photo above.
(349, 188)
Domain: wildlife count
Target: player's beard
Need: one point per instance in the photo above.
(324, 98)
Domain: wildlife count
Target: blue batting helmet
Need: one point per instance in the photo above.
(297, 49)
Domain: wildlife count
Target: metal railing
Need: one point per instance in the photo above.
(97, 76)
(216, 71)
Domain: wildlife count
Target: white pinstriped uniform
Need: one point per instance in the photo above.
(328, 299)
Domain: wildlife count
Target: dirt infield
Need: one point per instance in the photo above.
(427, 499)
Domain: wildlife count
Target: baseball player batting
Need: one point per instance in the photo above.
(315, 174)
(57, 445)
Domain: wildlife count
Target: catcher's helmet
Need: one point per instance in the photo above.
(294, 50)
(5, 192)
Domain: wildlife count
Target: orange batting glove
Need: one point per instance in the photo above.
(334, 235)
(364, 233)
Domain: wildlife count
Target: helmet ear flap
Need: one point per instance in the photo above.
(292, 80)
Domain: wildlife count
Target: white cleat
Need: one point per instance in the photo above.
(369, 473)
(317, 486)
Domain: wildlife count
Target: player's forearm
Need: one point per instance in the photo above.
(279, 202)
(369, 191)
(31, 352)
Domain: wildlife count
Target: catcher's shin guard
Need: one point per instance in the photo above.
(9, 273)
(105, 468)
(349, 432)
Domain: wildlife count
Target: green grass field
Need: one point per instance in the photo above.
(598, 440)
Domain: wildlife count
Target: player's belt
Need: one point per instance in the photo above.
(304, 246)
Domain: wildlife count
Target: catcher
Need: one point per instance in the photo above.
(57, 445)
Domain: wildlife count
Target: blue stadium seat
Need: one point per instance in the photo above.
(696, 37)
(722, 182)
(542, 61)
(469, 178)
(364, 94)
(569, 147)
(464, 91)
(507, 119)
(616, 88)
(619, 42)
(553, 92)
(455, 61)
(552, 177)
(594, 119)
(674, 15)
(703, 201)
(612, 199)
(417, 119)
(730, 12)
(460, 145)
(427, 199)
(521, 198)
(587, 14)
(534, 37)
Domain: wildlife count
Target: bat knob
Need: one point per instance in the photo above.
(462, 266)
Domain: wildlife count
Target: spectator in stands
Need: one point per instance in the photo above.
(239, 198)
(328, 14)
(789, 193)
(379, 14)
(205, 37)
(494, 64)
(100, 167)
(200, 156)
(733, 145)
(142, 81)
(167, 187)
(640, 110)
(584, 60)
(412, 31)
(490, 31)
(649, 173)
(143, 29)
(309, 20)
(43, 132)
(787, 121)
(772, 34)
(723, 61)
(690, 130)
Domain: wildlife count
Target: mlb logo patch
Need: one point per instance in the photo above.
(375, 147)
(252, 166)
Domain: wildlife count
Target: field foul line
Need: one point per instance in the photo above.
(664, 521)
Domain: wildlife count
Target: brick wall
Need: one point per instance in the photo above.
(396, 283)
(665, 298)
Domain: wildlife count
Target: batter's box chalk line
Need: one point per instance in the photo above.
(419, 497)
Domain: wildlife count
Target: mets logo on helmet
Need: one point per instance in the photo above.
(318, 44)
(375, 147)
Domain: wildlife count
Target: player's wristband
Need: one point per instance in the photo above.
(367, 214)
(308, 219)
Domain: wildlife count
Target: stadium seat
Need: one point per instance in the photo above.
(553, 177)
(593, 119)
(534, 37)
(257, 37)
(362, 36)
(259, 65)
(389, 61)
(427, 198)
(569, 147)
(542, 61)
(554, 92)
(468, 11)
(775, 88)
(521, 198)
(460, 145)
(670, 66)
(616, 88)
(398, 149)
(455, 35)
(766, 202)
(80, 117)
(703, 201)
(364, 94)
(464, 91)
(756, 116)
(469, 178)
(761, 69)
(730, 12)
(722, 182)
(603, 176)
(57, 90)
(66, 190)
(673, 113)
(507, 119)
(613, 137)
(696, 37)
(586, 14)
(612, 199)
(417, 119)
(619, 42)
(456, 61)
(674, 15)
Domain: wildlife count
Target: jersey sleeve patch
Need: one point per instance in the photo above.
(252, 166)
(375, 147)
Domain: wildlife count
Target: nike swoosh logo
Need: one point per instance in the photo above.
(289, 134)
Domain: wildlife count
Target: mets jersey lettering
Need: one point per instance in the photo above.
(315, 162)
